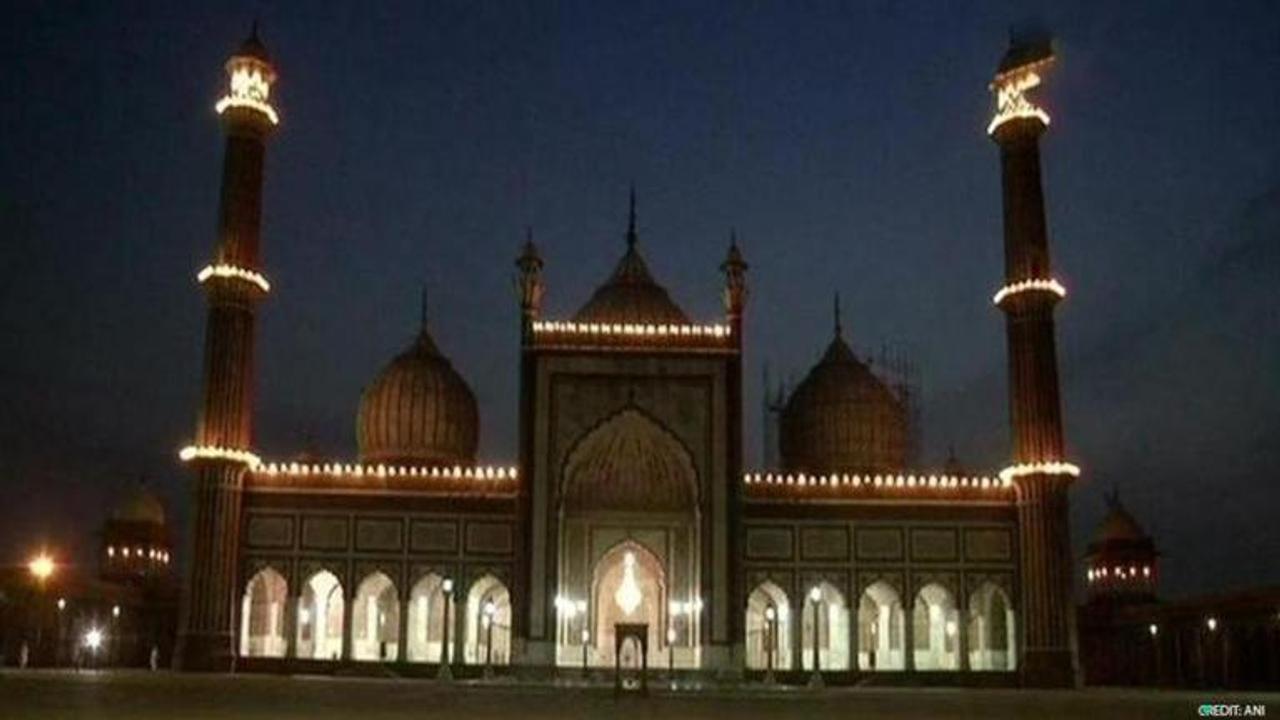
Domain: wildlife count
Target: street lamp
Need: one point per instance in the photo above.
(815, 597)
(490, 609)
(770, 637)
(446, 672)
(41, 567)
(586, 638)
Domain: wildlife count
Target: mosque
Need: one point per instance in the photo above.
(626, 529)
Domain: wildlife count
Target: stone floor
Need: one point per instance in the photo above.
(49, 695)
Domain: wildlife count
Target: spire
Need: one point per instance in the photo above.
(423, 324)
(631, 220)
(839, 327)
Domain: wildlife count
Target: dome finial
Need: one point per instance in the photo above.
(839, 326)
(631, 219)
(423, 323)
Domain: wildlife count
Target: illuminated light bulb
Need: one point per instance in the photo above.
(1048, 285)
(233, 272)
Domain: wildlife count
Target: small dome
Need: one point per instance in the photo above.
(253, 47)
(842, 418)
(418, 410)
(139, 506)
(1119, 530)
(631, 295)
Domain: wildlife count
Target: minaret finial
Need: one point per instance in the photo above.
(839, 326)
(631, 219)
(423, 324)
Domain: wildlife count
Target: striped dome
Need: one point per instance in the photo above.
(418, 410)
(842, 418)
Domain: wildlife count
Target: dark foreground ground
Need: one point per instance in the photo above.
(142, 696)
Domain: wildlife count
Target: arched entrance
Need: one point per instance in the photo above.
(768, 628)
(376, 620)
(825, 604)
(880, 628)
(991, 630)
(629, 544)
(320, 616)
(629, 588)
(262, 615)
(935, 628)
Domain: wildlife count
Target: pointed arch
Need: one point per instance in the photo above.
(320, 617)
(831, 629)
(881, 627)
(375, 620)
(629, 462)
(425, 639)
(935, 629)
(488, 623)
(991, 631)
(262, 612)
(768, 626)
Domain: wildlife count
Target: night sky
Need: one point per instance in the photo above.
(844, 141)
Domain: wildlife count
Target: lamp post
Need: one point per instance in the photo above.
(114, 639)
(671, 654)
(446, 672)
(770, 636)
(41, 568)
(62, 631)
(815, 598)
(490, 609)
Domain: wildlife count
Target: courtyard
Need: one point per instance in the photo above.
(58, 695)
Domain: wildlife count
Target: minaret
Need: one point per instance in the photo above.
(233, 285)
(734, 268)
(1040, 474)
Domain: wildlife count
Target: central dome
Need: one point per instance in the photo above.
(631, 295)
(418, 410)
(842, 419)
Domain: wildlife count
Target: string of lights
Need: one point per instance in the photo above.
(935, 482)
(215, 452)
(1048, 285)
(1041, 468)
(233, 272)
(632, 329)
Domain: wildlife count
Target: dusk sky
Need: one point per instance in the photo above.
(844, 141)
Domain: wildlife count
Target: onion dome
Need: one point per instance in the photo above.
(418, 410)
(842, 418)
(139, 506)
(631, 295)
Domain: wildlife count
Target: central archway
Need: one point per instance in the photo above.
(629, 586)
(628, 505)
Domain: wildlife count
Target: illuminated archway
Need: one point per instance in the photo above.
(768, 628)
(935, 629)
(262, 615)
(881, 624)
(629, 586)
(425, 639)
(375, 620)
(320, 617)
(488, 622)
(832, 629)
(991, 630)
